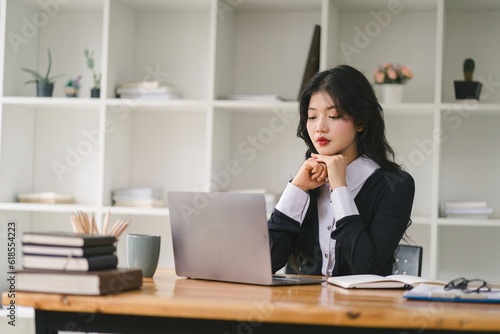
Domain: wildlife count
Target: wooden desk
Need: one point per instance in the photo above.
(171, 304)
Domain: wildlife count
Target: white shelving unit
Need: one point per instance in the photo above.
(207, 48)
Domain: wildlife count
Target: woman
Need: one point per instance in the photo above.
(349, 205)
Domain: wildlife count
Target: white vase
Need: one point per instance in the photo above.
(392, 93)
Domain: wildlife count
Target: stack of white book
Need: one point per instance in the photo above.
(473, 210)
(148, 90)
(138, 197)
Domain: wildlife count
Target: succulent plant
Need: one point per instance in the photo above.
(89, 57)
(37, 77)
(468, 69)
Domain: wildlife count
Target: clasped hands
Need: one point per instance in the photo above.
(319, 169)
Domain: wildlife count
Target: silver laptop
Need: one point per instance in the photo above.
(224, 237)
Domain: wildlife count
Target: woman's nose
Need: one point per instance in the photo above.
(321, 125)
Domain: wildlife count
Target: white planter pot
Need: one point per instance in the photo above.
(391, 93)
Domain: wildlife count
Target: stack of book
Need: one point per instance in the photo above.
(48, 197)
(148, 90)
(138, 197)
(62, 262)
(473, 210)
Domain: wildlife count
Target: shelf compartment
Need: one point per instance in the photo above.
(251, 43)
(411, 137)
(147, 148)
(56, 149)
(160, 41)
(365, 36)
(33, 29)
(468, 32)
(262, 147)
(457, 255)
(464, 143)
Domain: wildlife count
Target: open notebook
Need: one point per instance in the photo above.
(224, 237)
(369, 281)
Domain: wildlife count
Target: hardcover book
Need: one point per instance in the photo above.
(35, 249)
(67, 239)
(97, 262)
(101, 282)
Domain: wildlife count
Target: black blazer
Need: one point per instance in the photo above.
(365, 243)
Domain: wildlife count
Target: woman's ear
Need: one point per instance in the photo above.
(361, 127)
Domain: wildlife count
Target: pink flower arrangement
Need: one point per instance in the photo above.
(392, 73)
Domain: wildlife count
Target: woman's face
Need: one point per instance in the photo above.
(330, 133)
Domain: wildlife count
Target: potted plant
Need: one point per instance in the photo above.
(44, 84)
(468, 89)
(95, 91)
(392, 77)
(72, 87)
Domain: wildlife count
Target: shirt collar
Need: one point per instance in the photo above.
(358, 171)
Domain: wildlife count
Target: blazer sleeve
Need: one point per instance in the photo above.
(367, 246)
(282, 231)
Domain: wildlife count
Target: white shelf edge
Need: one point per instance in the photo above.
(421, 220)
(36, 207)
(50, 101)
(133, 103)
(161, 212)
(40, 207)
(470, 105)
(22, 312)
(468, 222)
(256, 105)
(425, 108)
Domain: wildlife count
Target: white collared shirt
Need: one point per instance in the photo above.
(332, 206)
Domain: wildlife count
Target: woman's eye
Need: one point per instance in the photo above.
(335, 117)
(311, 117)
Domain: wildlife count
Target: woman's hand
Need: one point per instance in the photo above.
(311, 174)
(336, 166)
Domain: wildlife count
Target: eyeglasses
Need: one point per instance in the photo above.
(468, 285)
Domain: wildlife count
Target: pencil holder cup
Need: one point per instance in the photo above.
(143, 252)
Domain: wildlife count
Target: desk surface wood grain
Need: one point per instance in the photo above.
(167, 295)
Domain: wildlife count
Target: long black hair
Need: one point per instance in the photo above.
(354, 96)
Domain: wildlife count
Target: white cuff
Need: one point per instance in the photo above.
(342, 203)
(294, 203)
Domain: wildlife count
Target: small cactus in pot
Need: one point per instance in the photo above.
(467, 88)
(469, 66)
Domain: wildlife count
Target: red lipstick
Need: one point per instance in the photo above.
(322, 141)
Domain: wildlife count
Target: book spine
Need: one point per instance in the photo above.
(102, 262)
(119, 282)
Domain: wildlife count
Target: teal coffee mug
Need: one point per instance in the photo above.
(143, 252)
